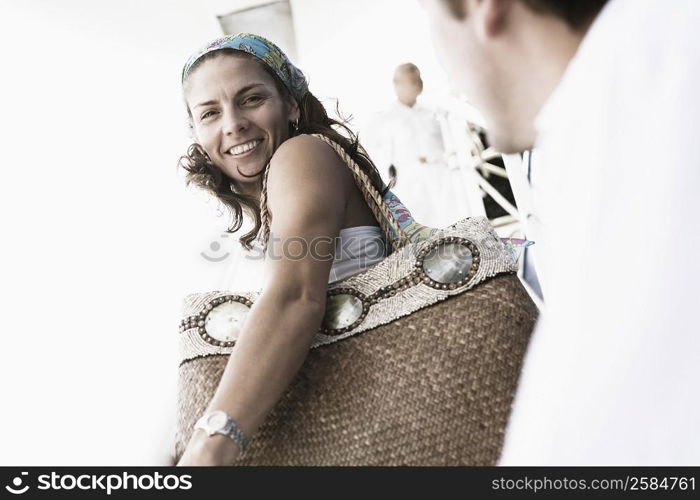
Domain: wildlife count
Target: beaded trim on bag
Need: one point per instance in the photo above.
(402, 283)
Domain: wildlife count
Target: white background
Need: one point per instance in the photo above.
(100, 237)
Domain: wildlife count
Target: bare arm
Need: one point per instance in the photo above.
(307, 201)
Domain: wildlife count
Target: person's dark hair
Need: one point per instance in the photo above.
(313, 119)
(576, 13)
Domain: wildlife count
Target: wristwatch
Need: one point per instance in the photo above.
(218, 422)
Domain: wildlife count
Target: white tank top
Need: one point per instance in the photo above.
(356, 249)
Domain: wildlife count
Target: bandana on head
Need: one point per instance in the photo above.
(263, 49)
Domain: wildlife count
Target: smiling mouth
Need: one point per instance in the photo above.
(244, 149)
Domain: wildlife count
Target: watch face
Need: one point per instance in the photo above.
(216, 420)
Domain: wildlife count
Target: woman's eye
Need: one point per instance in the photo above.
(207, 114)
(253, 99)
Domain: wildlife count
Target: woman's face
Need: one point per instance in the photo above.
(239, 116)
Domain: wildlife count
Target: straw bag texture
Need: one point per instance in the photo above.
(416, 362)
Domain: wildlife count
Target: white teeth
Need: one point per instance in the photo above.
(242, 148)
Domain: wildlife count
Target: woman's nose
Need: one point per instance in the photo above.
(234, 122)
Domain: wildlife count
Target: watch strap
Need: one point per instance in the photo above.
(230, 429)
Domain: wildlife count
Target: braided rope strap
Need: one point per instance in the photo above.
(264, 211)
(373, 198)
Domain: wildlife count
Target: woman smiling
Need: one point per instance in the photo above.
(251, 115)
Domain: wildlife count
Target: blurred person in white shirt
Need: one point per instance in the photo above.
(407, 141)
(607, 94)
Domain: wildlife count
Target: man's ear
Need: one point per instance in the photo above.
(490, 16)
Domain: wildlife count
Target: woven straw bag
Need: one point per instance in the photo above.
(416, 362)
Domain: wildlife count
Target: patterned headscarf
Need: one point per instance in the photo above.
(263, 49)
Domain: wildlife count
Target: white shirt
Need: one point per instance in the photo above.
(403, 135)
(356, 249)
(612, 372)
(411, 139)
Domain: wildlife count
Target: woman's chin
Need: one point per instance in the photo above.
(250, 169)
(245, 175)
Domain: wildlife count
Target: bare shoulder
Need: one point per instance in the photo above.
(306, 158)
(307, 181)
(305, 149)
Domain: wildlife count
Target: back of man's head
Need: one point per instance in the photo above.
(576, 13)
(507, 56)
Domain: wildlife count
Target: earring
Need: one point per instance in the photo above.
(295, 125)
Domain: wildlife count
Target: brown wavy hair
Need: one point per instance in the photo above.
(313, 119)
